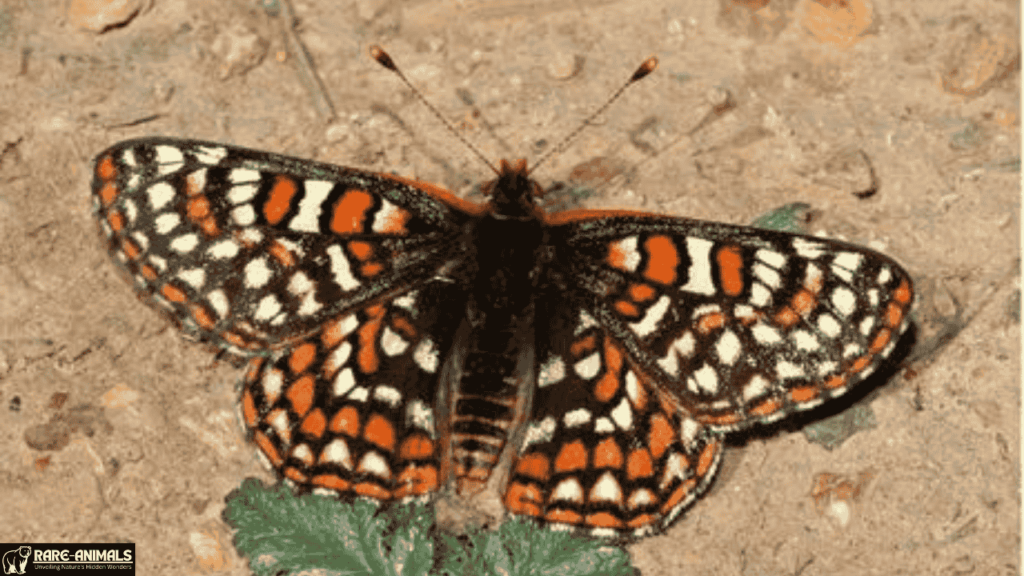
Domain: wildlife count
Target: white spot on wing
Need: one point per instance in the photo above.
(257, 273)
(341, 270)
(577, 417)
(627, 246)
(755, 388)
(787, 370)
(392, 343)
(425, 355)
(606, 489)
(623, 415)
(649, 323)
(388, 395)
(808, 248)
(185, 243)
(699, 281)
(551, 372)
(240, 175)
(243, 215)
(267, 308)
(308, 217)
(343, 382)
(224, 249)
(844, 300)
(706, 379)
(194, 277)
(728, 348)
(337, 453)
(160, 194)
(771, 258)
(589, 366)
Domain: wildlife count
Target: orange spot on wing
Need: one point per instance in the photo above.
(607, 454)
(249, 412)
(395, 223)
(380, 431)
(786, 317)
(860, 364)
(149, 273)
(642, 520)
(295, 475)
(804, 394)
(346, 421)
(173, 294)
(608, 385)
(803, 302)
(105, 169)
(710, 322)
(441, 194)
(416, 480)
(372, 269)
(837, 381)
(280, 199)
(108, 193)
(301, 395)
(603, 520)
(572, 456)
(641, 292)
(202, 317)
(617, 256)
(314, 424)
(564, 517)
(332, 334)
(198, 208)
(663, 259)
(116, 220)
(367, 357)
(903, 294)
(360, 250)
(639, 464)
(880, 341)
(730, 270)
(893, 315)
(268, 448)
(707, 458)
(282, 254)
(416, 447)
(721, 419)
(535, 466)
(661, 436)
(677, 496)
(332, 482)
(523, 499)
(371, 490)
(765, 408)
(302, 356)
(626, 309)
(583, 346)
(350, 212)
(130, 249)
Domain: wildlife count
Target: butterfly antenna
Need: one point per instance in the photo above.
(382, 58)
(645, 68)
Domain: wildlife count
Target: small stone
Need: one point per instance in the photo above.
(564, 65)
(239, 50)
(101, 15)
(840, 23)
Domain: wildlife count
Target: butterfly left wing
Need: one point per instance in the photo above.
(251, 250)
(350, 409)
(734, 324)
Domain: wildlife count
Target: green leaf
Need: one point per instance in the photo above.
(788, 218)
(282, 534)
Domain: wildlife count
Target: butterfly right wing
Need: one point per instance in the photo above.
(251, 250)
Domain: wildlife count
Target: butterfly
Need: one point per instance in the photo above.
(404, 340)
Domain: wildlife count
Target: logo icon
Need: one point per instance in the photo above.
(15, 561)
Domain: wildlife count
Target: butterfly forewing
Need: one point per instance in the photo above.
(251, 250)
(739, 325)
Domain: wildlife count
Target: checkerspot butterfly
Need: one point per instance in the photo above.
(403, 339)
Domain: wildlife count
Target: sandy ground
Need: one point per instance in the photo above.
(114, 428)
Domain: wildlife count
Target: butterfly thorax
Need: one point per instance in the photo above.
(513, 192)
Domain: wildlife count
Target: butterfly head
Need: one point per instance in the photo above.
(513, 193)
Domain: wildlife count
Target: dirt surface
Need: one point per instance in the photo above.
(113, 428)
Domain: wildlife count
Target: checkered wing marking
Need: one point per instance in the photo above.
(603, 450)
(351, 409)
(740, 325)
(251, 250)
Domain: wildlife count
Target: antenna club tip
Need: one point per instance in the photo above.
(382, 58)
(648, 66)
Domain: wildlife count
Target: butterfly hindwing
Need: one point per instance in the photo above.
(251, 250)
(603, 450)
(739, 325)
(352, 408)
